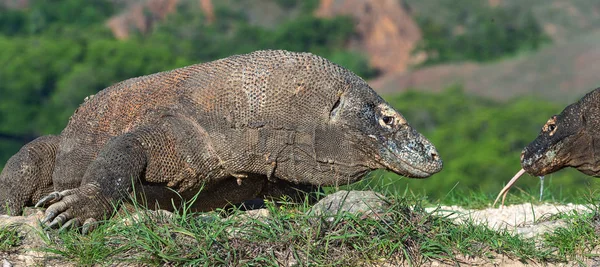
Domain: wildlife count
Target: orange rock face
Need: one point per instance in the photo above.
(386, 32)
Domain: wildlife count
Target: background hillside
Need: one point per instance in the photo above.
(562, 70)
(479, 78)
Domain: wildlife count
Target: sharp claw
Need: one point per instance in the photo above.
(88, 226)
(60, 214)
(51, 214)
(49, 197)
(52, 224)
(59, 220)
(85, 229)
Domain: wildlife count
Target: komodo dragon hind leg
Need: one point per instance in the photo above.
(27, 176)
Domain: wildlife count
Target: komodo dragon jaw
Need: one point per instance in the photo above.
(567, 140)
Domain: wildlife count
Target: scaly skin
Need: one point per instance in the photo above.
(247, 126)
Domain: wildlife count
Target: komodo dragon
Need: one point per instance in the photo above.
(569, 139)
(253, 125)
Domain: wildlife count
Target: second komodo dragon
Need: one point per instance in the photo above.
(569, 139)
(247, 126)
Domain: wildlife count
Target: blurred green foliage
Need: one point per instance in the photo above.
(55, 53)
(478, 32)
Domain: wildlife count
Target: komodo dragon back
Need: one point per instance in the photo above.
(235, 127)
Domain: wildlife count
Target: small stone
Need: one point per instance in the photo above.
(360, 203)
(258, 214)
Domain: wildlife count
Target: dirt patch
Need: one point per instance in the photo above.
(527, 220)
(27, 253)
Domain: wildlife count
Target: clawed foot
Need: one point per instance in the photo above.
(73, 208)
(54, 196)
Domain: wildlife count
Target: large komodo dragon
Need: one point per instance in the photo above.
(253, 125)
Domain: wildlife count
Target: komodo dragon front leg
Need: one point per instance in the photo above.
(27, 176)
(166, 153)
(107, 180)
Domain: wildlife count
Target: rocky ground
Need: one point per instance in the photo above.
(528, 220)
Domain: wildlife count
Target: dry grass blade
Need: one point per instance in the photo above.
(504, 190)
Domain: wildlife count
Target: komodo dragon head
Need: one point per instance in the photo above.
(383, 133)
(569, 139)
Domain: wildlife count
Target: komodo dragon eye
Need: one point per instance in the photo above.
(550, 126)
(388, 120)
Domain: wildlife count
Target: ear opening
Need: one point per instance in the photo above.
(337, 106)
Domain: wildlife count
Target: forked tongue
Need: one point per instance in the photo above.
(504, 190)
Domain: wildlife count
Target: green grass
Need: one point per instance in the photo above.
(9, 238)
(85, 250)
(578, 240)
(406, 235)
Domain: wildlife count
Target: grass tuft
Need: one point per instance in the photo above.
(94, 248)
(9, 237)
